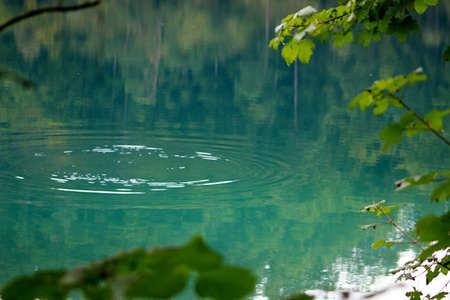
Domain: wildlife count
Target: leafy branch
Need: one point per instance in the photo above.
(382, 94)
(379, 209)
(337, 23)
(138, 274)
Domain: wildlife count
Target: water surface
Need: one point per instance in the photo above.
(149, 122)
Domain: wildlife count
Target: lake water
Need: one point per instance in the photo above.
(143, 123)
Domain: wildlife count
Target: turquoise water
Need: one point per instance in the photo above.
(147, 123)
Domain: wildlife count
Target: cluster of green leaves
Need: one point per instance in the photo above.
(379, 209)
(369, 18)
(429, 230)
(140, 273)
(386, 92)
(416, 295)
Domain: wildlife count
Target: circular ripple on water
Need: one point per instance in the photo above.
(57, 164)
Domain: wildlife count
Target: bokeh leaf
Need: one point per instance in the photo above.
(225, 283)
(364, 100)
(441, 192)
(446, 54)
(434, 118)
(198, 256)
(434, 229)
(391, 134)
(42, 285)
(162, 283)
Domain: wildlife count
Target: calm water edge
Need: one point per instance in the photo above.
(143, 123)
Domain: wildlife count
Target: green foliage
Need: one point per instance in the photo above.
(226, 282)
(387, 92)
(441, 192)
(298, 297)
(338, 23)
(43, 285)
(446, 55)
(414, 295)
(379, 243)
(432, 229)
(421, 5)
(378, 209)
(301, 50)
(161, 273)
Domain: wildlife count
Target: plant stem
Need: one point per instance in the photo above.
(399, 99)
(391, 221)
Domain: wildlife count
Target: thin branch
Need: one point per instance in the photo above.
(401, 230)
(47, 10)
(421, 119)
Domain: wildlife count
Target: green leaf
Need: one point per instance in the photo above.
(381, 106)
(407, 118)
(338, 39)
(434, 118)
(414, 295)
(420, 6)
(305, 51)
(386, 210)
(441, 192)
(401, 28)
(415, 128)
(162, 283)
(440, 296)
(225, 283)
(274, 43)
(364, 100)
(432, 274)
(198, 256)
(43, 285)
(391, 134)
(434, 229)
(378, 243)
(416, 76)
(366, 36)
(446, 55)
(323, 34)
(416, 180)
(289, 52)
(390, 244)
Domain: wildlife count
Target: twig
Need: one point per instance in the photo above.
(421, 119)
(401, 230)
(47, 10)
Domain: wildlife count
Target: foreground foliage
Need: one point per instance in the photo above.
(160, 273)
(364, 21)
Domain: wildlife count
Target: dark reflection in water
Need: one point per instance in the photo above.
(153, 121)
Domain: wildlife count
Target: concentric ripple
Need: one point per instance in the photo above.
(58, 163)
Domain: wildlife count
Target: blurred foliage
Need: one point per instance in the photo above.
(142, 274)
